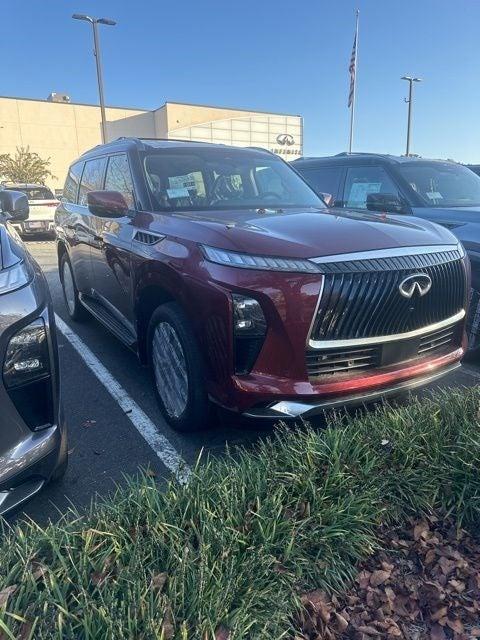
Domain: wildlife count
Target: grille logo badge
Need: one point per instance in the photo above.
(418, 283)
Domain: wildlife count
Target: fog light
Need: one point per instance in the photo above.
(249, 327)
(27, 358)
(248, 316)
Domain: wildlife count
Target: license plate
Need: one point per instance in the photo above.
(35, 225)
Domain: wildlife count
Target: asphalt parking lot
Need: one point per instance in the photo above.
(115, 428)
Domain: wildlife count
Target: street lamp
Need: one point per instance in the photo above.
(96, 52)
(410, 80)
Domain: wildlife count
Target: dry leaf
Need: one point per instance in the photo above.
(6, 593)
(158, 581)
(222, 633)
(379, 577)
(437, 633)
(456, 625)
(342, 624)
(420, 530)
(438, 614)
(167, 631)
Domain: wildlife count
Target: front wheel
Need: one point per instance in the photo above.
(75, 309)
(178, 369)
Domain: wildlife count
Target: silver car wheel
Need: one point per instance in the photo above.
(170, 368)
(68, 287)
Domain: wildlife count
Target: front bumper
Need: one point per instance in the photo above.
(32, 227)
(28, 456)
(31, 466)
(292, 409)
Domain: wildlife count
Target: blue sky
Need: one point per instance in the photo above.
(272, 55)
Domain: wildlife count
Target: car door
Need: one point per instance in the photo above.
(73, 226)
(365, 179)
(111, 251)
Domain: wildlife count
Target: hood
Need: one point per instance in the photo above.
(462, 214)
(311, 233)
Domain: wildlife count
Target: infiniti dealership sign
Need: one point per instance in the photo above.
(287, 145)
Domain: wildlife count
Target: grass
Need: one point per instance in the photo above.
(235, 547)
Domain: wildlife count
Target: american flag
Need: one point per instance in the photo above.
(352, 70)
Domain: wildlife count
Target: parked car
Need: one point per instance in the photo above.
(222, 269)
(42, 205)
(33, 448)
(441, 191)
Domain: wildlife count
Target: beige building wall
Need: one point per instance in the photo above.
(63, 131)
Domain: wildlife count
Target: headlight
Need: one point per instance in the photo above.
(27, 358)
(249, 329)
(266, 263)
(14, 277)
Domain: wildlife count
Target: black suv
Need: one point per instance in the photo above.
(437, 190)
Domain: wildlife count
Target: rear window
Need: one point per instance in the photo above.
(35, 193)
(70, 189)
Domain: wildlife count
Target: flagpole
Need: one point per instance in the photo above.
(352, 108)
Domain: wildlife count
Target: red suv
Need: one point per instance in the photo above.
(222, 269)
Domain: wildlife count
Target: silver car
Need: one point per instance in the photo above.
(33, 446)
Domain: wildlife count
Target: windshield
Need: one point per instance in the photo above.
(35, 193)
(442, 184)
(203, 179)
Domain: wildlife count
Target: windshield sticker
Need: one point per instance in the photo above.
(187, 181)
(434, 195)
(360, 190)
(180, 192)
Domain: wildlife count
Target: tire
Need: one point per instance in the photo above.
(75, 309)
(180, 382)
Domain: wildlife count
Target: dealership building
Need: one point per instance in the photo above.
(61, 130)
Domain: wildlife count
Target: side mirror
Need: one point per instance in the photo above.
(14, 204)
(327, 198)
(386, 203)
(107, 204)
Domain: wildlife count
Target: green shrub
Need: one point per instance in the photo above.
(250, 531)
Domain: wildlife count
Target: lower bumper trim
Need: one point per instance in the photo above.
(288, 409)
(14, 497)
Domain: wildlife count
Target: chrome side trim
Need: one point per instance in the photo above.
(389, 253)
(351, 342)
(317, 307)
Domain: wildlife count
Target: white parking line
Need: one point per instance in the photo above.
(142, 423)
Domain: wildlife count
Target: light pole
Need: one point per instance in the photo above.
(410, 81)
(96, 52)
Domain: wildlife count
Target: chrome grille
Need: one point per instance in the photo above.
(355, 360)
(361, 298)
(436, 341)
(320, 363)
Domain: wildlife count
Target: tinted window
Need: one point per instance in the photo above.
(442, 184)
(211, 178)
(323, 179)
(364, 180)
(71, 183)
(35, 193)
(92, 178)
(119, 178)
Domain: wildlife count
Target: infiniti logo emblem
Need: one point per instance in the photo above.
(418, 283)
(285, 139)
